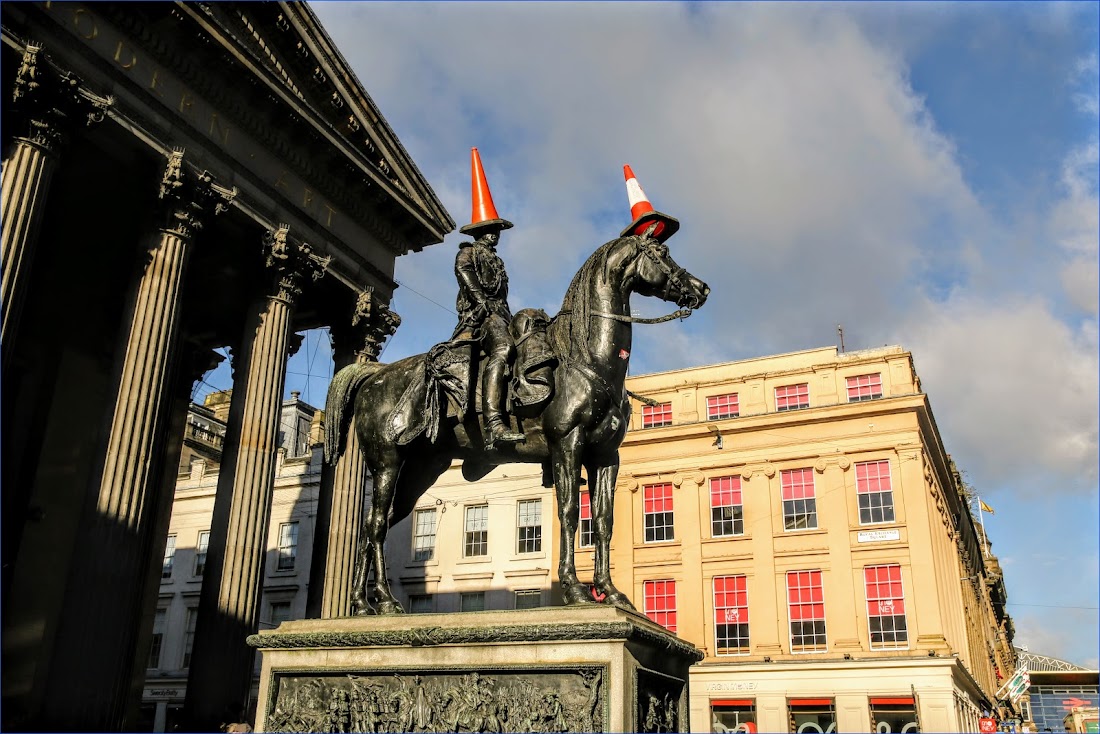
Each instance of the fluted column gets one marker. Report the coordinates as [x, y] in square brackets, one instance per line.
[221, 663]
[51, 104]
[104, 607]
[343, 497]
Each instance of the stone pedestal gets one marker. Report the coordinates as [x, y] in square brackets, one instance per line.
[555, 669]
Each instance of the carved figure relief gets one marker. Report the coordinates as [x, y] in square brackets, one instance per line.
[506, 701]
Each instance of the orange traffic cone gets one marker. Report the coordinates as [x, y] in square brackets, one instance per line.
[484, 216]
[643, 212]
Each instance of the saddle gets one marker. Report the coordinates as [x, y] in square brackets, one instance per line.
[445, 382]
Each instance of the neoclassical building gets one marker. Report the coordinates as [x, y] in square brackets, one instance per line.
[177, 178]
[796, 517]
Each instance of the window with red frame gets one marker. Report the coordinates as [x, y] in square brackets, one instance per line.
[655, 416]
[723, 406]
[864, 387]
[792, 397]
[731, 615]
[886, 607]
[874, 492]
[799, 500]
[660, 603]
[806, 607]
[658, 513]
[726, 513]
[586, 537]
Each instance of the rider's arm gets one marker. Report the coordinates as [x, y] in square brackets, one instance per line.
[467, 276]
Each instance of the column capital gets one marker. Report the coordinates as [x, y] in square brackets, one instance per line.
[53, 102]
[372, 322]
[292, 263]
[187, 197]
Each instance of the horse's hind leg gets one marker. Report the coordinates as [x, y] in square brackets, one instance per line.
[359, 603]
[567, 479]
[385, 481]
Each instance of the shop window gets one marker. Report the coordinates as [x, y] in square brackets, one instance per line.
[864, 387]
[658, 512]
[893, 714]
[655, 416]
[733, 715]
[875, 492]
[660, 603]
[726, 513]
[731, 615]
[723, 406]
[586, 536]
[799, 499]
[812, 715]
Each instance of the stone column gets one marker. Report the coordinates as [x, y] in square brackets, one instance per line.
[50, 104]
[344, 500]
[104, 604]
[221, 662]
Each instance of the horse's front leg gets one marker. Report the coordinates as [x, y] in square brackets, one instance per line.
[567, 480]
[603, 476]
[385, 482]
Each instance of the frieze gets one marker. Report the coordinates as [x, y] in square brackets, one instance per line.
[521, 700]
[425, 636]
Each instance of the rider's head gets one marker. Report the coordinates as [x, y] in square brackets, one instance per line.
[489, 236]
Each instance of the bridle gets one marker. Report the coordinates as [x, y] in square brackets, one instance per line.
[655, 251]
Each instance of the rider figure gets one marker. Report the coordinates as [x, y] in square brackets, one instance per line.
[482, 305]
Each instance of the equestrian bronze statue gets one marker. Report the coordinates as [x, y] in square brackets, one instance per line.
[414, 417]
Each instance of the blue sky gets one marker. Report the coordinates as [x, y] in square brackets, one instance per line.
[924, 174]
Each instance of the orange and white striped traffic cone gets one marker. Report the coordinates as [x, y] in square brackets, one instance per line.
[643, 212]
[484, 215]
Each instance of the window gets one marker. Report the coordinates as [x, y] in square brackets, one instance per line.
[655, 416]
[799, 503]
[895, 714]
[812, 715]
[472, 601]
[723, 406]
[159, 621]
[876, 496]
[806, 605]
[200, 553]
[726, 514]
[288, 546]
[421, 604]
[731, 615]
[660, 603]
[477, 531]
[864, 387]
[586, 537]
[278, 612]
[792, 397]
[528, 599]
[886, 607]
[529, 530]
[658, 513]
[424, 522]
[189, 635]
[169, 558]
[733, 715]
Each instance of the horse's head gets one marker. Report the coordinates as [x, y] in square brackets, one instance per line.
[655, 273]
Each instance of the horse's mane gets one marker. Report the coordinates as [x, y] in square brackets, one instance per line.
[568, 332]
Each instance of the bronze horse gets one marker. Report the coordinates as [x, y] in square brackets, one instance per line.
[583, 424]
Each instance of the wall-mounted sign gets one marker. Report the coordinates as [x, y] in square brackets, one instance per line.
[729, 685]
[875, 536]
[164, 693]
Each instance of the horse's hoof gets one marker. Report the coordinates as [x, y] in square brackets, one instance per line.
[619, 599]
[361, 608]
[390, 607]
[577, 594]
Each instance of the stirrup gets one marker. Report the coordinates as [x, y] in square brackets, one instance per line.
[499, 434]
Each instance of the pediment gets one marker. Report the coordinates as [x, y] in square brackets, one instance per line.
[286, 42]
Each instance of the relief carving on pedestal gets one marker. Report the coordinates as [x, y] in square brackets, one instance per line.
[507, 701]
[658, 703]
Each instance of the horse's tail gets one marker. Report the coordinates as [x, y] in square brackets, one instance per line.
[341, 392]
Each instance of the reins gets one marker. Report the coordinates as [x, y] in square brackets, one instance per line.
[681, 314]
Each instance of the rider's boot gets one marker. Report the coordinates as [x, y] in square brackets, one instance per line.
[496, 376]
